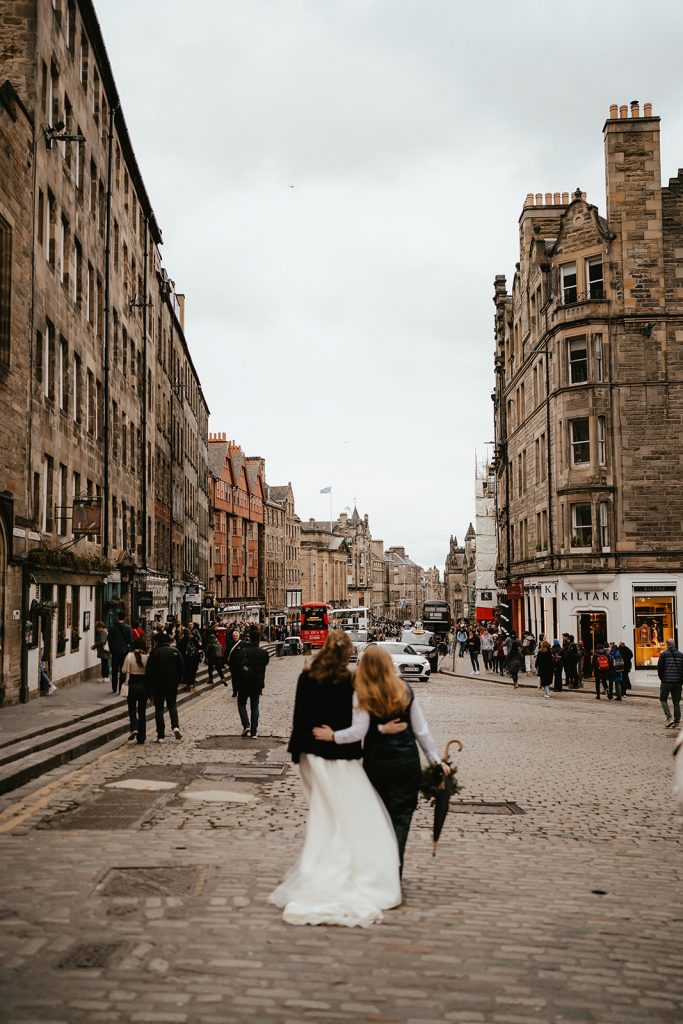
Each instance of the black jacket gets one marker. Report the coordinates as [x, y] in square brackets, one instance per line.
[545, 666]
[248, 669]
[328, 702]
[165, 665]
[120, 638]
[669, 666]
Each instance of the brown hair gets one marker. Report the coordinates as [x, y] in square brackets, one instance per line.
[139, 648]
[379, 689]
[544, 646]
[332, 660]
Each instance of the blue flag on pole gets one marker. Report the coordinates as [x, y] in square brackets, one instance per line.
[326, 490]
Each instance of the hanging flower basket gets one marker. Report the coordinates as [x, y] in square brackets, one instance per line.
[43, 608]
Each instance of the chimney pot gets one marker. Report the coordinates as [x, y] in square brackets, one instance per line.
[613, 111]
[623, 111]
[548, 199]
[647, 110]
[529, 201]
[583, 196]
[565, 198]
[556, 198]
[539, 199]
[635, 108]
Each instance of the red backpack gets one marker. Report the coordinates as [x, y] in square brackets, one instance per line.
[602, 662]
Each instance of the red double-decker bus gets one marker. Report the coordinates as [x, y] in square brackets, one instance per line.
[314, 623]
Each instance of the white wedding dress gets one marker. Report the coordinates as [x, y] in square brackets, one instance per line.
[347, 873]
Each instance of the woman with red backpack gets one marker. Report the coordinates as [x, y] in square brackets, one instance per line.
[601, 666]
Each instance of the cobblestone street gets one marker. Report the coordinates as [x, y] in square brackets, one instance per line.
[134, 884]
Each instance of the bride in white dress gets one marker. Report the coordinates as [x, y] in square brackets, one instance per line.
[348, 871]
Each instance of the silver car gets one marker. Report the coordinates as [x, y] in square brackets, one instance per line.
[407, 662]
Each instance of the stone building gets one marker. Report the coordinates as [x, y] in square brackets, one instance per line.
[589, 405]
[380, 597]
[292, 565]
[432, 585]
[238, 491]
[356, 532]
[324, 569]
[274, 575]
[404, 584]
[95, 362]
[486, 593]
[453, 579]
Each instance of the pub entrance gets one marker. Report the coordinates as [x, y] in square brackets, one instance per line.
[592, 633]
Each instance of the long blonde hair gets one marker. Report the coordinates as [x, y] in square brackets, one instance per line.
[332, 660]
[379, 689]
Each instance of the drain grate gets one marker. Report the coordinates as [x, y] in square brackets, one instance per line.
[115, 809]
[88, 956]
[485, 807]
[173, 880]
[241, 743]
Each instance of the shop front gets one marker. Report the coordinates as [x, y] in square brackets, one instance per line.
[641, 611]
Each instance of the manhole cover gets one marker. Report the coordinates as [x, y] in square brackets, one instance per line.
[485, 807]
[115, 809]
[241, 743]
[159, 881]
[88, 955]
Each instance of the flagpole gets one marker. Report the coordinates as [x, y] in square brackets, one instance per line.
[330, 509]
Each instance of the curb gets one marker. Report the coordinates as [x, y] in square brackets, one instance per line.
[525, 685]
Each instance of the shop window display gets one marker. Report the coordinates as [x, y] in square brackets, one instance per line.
[654, 619]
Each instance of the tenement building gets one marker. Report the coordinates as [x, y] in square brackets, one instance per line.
[103, 465]
[284, 494]
[589, 406]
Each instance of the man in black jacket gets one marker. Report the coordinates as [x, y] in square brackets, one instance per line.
[120, 642]
[164, 674]
[248, 667]
[670, 672]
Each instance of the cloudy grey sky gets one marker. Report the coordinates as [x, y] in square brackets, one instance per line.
[343, 328]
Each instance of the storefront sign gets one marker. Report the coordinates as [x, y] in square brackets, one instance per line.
[590, 595]
[145, 598]
[548, 589]
[192, 590]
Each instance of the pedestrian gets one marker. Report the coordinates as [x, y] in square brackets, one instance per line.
[214, 656]
[627, 655]
[47, 687]
[571, 660]
[579, 665]
[513, 658]
[528, 650]
[231, 657]
[133, 671]
[164, 673]
[189, 648]
[348, 871]
[474, 647]
[670, 672]
[501, 652]
[120, 642]
[558, 664]
[249, 664]
[601, 669]
[136, 629]
[388, 719]
[545, 666]
[486, 642]
[461, 637]
[616, 671]
[101, 645]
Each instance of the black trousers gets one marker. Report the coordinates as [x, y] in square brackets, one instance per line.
[165, 694]
[397, 781]
[557, 673]
[137, 706]
[117, 661]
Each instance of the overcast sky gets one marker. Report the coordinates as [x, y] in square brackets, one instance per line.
[343, 328]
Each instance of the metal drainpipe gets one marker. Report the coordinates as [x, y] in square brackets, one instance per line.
[107, 321]
[548, 450]
[170, 509]
[143, 461]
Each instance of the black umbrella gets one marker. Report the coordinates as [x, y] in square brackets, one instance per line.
[445, 786]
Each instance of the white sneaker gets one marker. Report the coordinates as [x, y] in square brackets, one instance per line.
[53, 689]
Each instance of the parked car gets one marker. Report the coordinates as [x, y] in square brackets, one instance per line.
[407, 662]
[292, 645]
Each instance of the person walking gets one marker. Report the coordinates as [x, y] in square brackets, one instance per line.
[474, 647]
[627, 655]
[545, 667]
[120, 642]
[47, 687]
[571, 660]
[616, 672]
[189, 648]
[528, 650]
[558, 664]
[101, 646]
[500, 653]
[388, 718]
[249, 666]
[601, 669]
[348, 871]
[164, 673]
[486, 643]
[232, 654]
[670, 672]
[133, 672]
[214, 656]
[513, 658]
[461, 637]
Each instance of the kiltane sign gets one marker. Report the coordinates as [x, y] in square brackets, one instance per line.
[590, 595]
